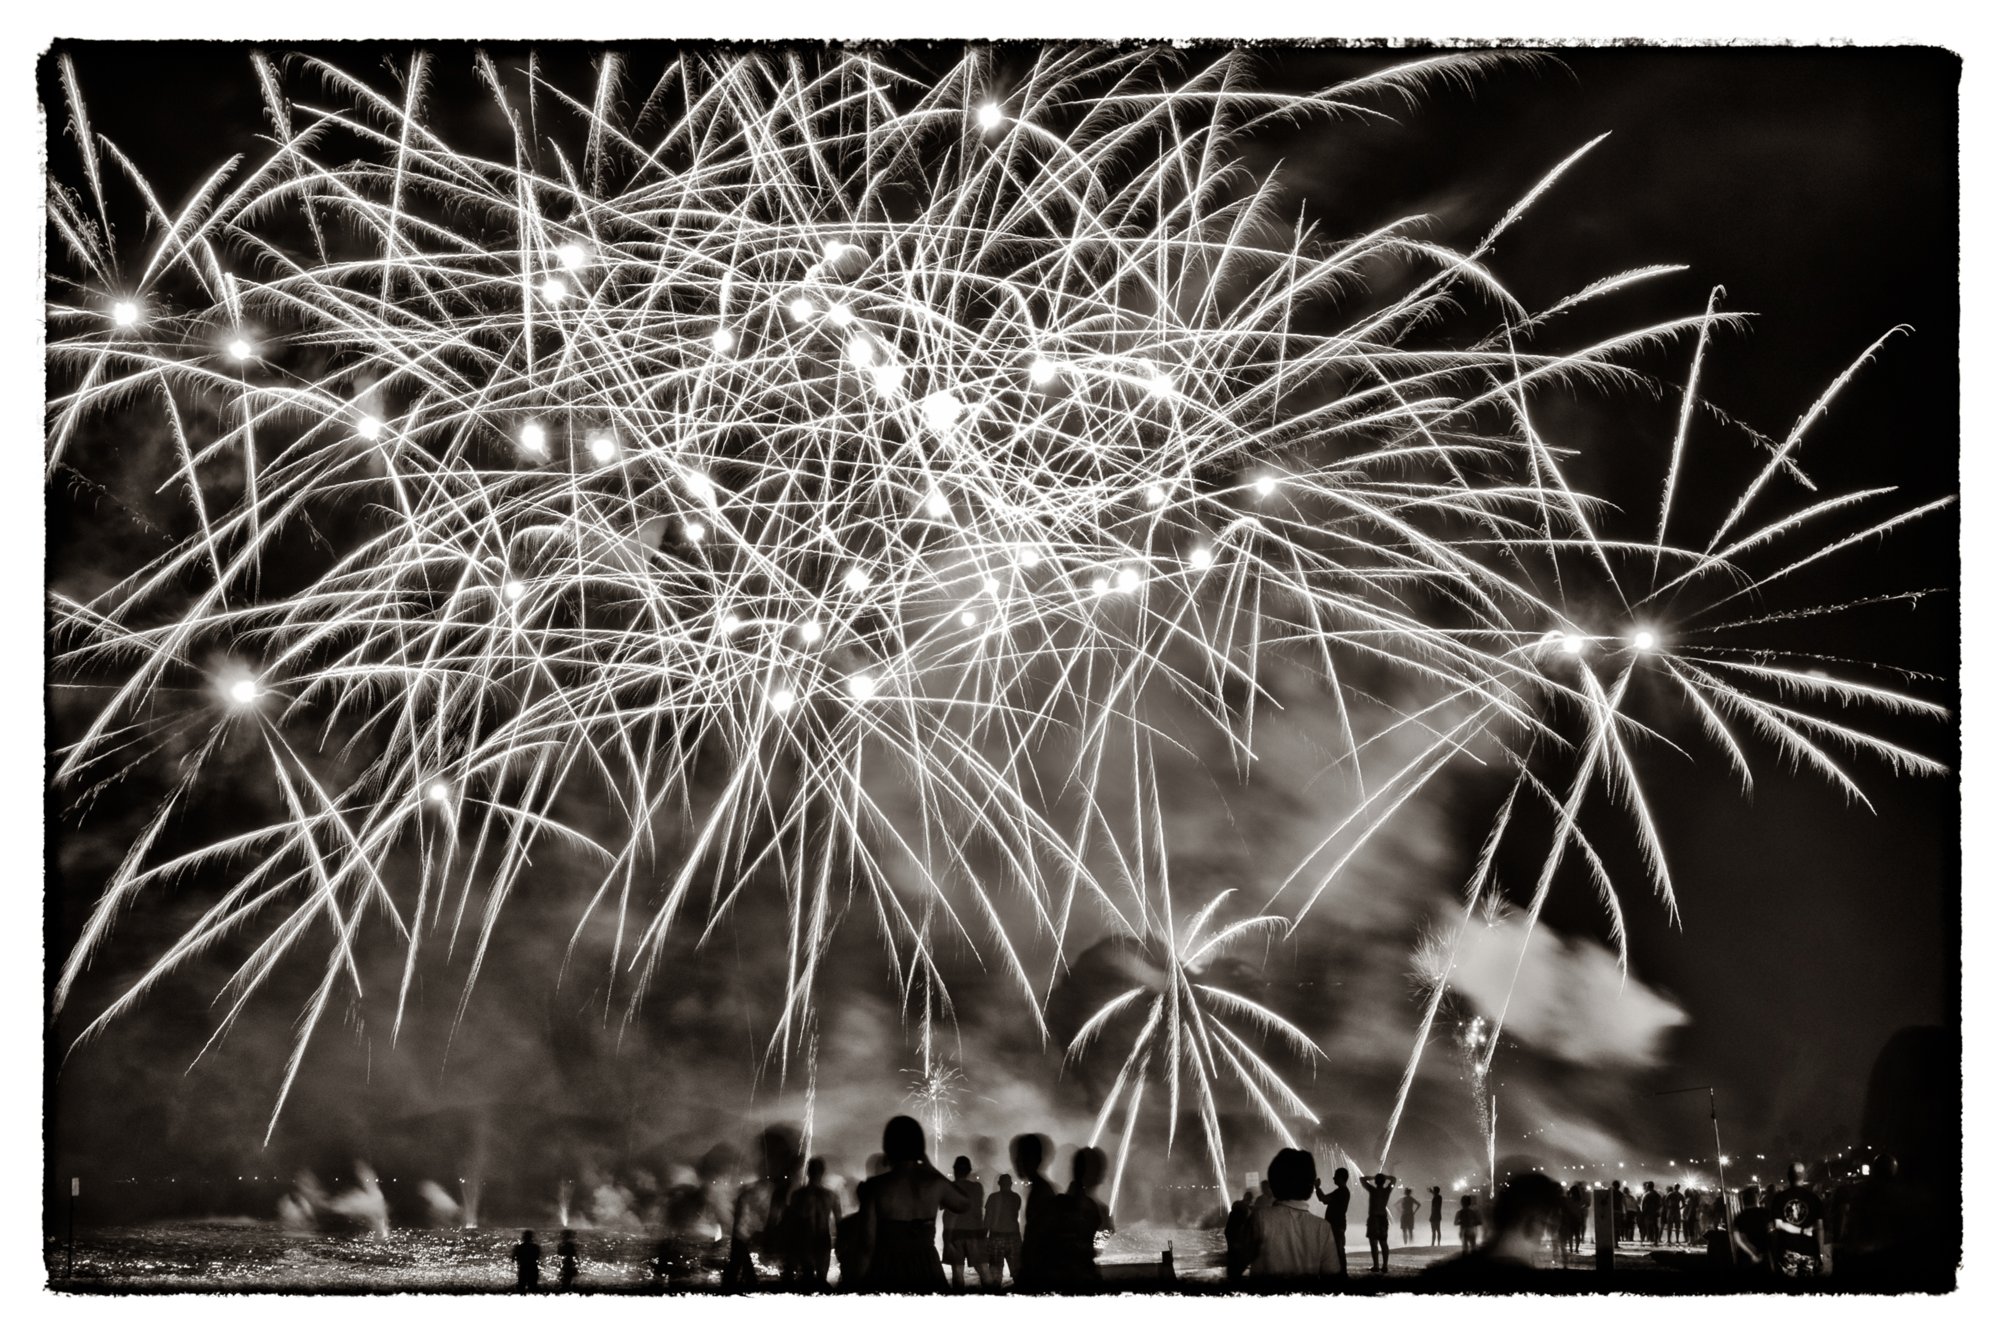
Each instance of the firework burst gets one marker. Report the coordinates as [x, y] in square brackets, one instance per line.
[812, 480]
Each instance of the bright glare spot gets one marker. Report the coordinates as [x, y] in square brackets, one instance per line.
[699, 485]
[440, 792]
[810, 631]
[1127, 579]
[861, 686]
[831, 250]
[1161, 385]
[992, 585]
[967, 618]
[534, 438]
[782, 699]
[243, 691]
[125, 314]
[942, 409]
[1041, 371]
[369, 428]
[1572, 644]
[723, 340]
[888, 379]
[860, 352]
[513, 590]
[841, 315]
[571, 255]
[802, 309]
[1027, 556]
[1099, 585]
[1265, 486]
[1644, 640]
[989, 115]
[936, 505]
[555, 290]
[240, 350]
[602, 448]
[1155, 495]
[857, 579]
[694, 531]
[732, 622]
[1201, 557]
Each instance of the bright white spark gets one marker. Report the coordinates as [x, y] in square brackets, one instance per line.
[535, 439]
[801, 309]
[244, 691]
[989, 115]
[602, 448]
[240, 350]
[571, 255]
[125, 314]
[942, 409]
[862, 686]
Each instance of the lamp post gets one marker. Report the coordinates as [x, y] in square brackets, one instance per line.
[1721, 1177]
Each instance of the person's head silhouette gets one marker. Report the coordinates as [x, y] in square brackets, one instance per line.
[1028, 1152]
[1340, 1176]
[1436, 1191]
[1087, 1169]
[527, 1238]
[961, 1167]
[1292, 1174]
[903, 1141]
[1005, 1181]
[815, 1169]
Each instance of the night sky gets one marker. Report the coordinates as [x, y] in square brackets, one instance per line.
[1818, 187]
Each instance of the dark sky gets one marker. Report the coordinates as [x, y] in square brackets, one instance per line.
[1819, 188]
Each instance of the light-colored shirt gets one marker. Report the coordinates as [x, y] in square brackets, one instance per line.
[1292, 1242]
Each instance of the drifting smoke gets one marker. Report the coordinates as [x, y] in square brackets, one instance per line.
[311, 1207]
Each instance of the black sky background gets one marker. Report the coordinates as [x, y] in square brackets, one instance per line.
[1819, 188]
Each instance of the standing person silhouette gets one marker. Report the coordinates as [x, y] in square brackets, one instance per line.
[1437, 1216]
[1037, 1206]
[1336, 1213]
[1378, 1189]
[1467, 1219]
[899, 1212]
[965, 1234]
[1406, 1209]
[527, 1264]
[1069, 1256]
[1003, 1230]
[1236, 1239]
[812, 1219]
[566, 1252]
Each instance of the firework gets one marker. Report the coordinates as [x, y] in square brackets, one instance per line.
[813, 481]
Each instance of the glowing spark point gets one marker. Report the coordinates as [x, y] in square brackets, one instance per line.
[862, 686]
[1644, 640]
[1161, 385]
[369, 428]
[534, 438]
[936, 505]
[1041, 371]
[243, 691]
[732, 623]
[941, 410]
[125, 314]
[802, 309]
[831, 250]
[1099, 585]
[240, 350]
[1201, 557]
[694, 531]
[440, 792]
[888, 379]
[1265, 486]
[700, 486]
[1127, 579]
[602, 448]
[840, 315]
[571, 256]
[857, 580]
[781, 699]
[723, 340]
[967, 618]
[1572, 644]
[992, 585]
[810, 631]
[555, 290]
[1156, 496]
[860, 352]
[513, 590]
[1027, 556]
[989, 115]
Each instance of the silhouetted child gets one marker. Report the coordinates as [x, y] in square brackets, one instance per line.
[1468, 1223]
[527, 1264]
[566, 1275]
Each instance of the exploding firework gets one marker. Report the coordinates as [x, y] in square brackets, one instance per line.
[816, 480]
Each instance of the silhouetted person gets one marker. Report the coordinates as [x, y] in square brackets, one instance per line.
[527, 1264]
[1576, 1215]
[899, 1215]
[1378, 1190]
[1467, 1219]
[1037, 1204]
[1336, 1213]
[1437, 1216]
[1525, 1214]
[1798, 1228]
[1070, 1255]
[1649, 1215]
[566, 1252]
[850, 1236]
[1406, 1210]
[1750, 1232]
[1628, 1211]
[812, 1219]
[1670, 1215]
[1237, 1242]
[965, 1234]
[1003, 1230]
[662, 1263]
[1288, 1240]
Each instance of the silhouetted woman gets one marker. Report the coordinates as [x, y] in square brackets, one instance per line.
[899, 1215]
